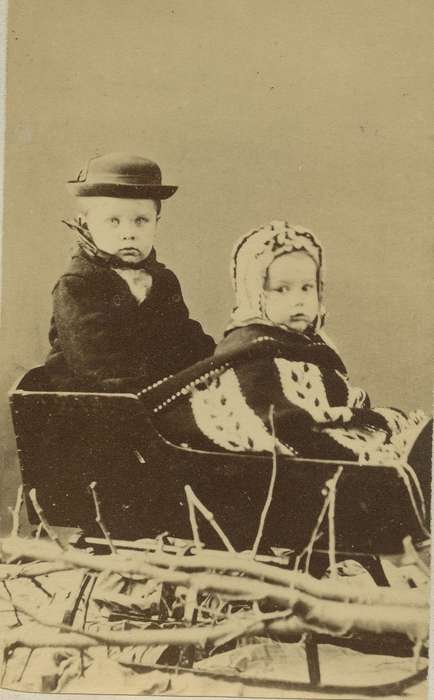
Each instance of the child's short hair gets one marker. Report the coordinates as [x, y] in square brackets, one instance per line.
[83, 205]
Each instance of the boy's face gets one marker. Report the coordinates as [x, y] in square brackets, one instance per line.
[123, 227]
[291, 291]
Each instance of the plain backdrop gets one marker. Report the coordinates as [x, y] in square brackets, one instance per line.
[315, 112]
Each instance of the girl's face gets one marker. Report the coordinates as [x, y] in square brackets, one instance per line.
[123, 227]
[291, 291]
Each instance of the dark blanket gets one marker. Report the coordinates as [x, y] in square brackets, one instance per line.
[225, 402]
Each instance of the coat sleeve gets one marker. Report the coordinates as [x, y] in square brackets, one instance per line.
[95, 343]
[191, 343]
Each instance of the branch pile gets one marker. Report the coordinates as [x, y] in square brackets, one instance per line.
[202, 602]
[140, 607]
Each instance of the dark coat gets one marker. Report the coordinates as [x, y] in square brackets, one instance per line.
[102, 338]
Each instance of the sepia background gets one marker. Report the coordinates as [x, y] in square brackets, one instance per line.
[316, 112]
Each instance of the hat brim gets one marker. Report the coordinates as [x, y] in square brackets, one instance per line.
[111, 189]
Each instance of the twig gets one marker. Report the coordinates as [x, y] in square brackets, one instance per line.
[70, 636]
[231, 636]
[38, 584]
[314, 536]
[412, 556]
[342, 619]
[16, 512]
[410, 471]
[307, 550]
[331, 484]
[196, 635]
[192, 516]
[160, 540]
[36, 617]
[417, 649]
[404, 476]
[208, 516]
[180, 637]
[322, 615]
[84, 620]
[175, 569]
[124, 566]
[11, 601]
[190, 609]
[269, 497]
[3, 662]
[313, 614]
[32, 570]
[99, 521]
[25, 665]
[52, 534]
[87, 600]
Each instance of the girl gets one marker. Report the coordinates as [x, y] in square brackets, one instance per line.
[276, 354]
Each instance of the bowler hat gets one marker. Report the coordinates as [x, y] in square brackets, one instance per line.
[120, 175]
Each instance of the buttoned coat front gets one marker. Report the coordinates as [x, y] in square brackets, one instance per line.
[102, 337]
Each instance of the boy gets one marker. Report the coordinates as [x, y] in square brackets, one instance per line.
[119, 320]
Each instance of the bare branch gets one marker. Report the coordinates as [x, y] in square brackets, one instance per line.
[307, 551]
[75, 637]
[403, 472]
[192, 516]
[31, 570]
[269, 497]
[11, 601]
[210, 517]
[330, 590]
[175, 569]
[314, 614]
[132, 565]
[412, 556]
[16, 511]
[331, 484]
[181, 637]
[99, 521]
[52, 534]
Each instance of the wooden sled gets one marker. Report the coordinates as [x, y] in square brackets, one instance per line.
[66, 440]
